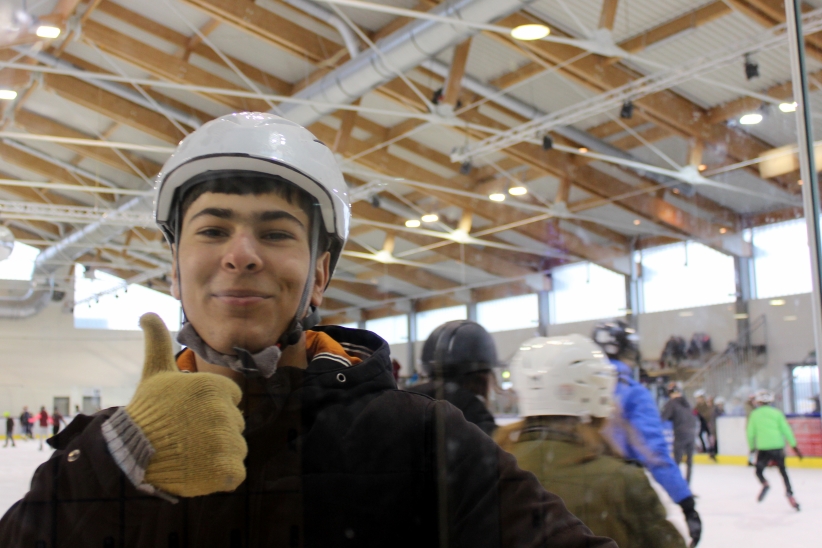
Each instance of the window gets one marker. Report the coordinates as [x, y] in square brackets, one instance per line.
[431, 319]
[20, 264]
[782, 261]
[394, 329]
[686, 275]
[510, 313]
[117, 308]
[585, 291]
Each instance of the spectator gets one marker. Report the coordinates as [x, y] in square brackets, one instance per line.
[705, 412]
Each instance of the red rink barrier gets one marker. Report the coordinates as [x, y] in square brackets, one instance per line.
[808, 432]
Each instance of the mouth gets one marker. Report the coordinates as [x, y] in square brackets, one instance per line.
[240, 297]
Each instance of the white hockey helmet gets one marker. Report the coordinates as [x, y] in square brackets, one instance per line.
[699, 393]
[567, 375]
[264, 144]
[764, 396]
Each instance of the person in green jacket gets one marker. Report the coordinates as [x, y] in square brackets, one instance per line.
[768, 431]
[565, 387]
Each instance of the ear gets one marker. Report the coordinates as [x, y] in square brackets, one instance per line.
[175, 282]
[321, 276]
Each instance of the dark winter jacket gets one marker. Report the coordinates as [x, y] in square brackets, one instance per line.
[638, 409]
[679, 412]
[337, 457]
[463, 399]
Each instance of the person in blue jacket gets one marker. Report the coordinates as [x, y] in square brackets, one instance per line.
[637, 429]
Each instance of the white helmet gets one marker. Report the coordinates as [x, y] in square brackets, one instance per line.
[262, 143]
[699, 393]
[764, 396]
[563, 376]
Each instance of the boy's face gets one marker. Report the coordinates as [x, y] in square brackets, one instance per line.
[243, 262]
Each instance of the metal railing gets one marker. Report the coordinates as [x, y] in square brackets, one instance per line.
[732, 372]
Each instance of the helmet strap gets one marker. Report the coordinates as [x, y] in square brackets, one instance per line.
[307, 315]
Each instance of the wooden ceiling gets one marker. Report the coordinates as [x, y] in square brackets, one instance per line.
[577, 208]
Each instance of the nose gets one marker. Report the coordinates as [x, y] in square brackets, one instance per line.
[241, 255]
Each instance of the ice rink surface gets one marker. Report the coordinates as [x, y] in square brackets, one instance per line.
[726, 499]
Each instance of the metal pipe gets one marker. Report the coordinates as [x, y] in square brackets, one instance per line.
[404, 49]
[348, 37]
[807, 164]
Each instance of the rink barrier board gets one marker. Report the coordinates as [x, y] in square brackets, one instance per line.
[739, 460]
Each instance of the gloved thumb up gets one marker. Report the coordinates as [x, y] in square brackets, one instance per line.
[191, 421]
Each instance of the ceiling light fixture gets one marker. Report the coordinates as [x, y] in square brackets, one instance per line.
[636, 222]
[412, 223]
[777, 302]
[787, 107]
[583, 150]
[750, 119]
[547, 142]
[8, 94]
[723, 230]
[466, 167]
[751, 67]
[530, 32]
[497, 197]
[702, 167]
[430, 218]
[518, 190]
[47, 31]
[627, 110]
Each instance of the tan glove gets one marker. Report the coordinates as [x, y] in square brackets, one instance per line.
[190, 420]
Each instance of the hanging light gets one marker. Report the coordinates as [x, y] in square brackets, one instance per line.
[750, 119]
[751, 67]
[497, 197]
[430, 218]
[48, 31]
[787, 107]
[8, 94]
[530, 32]
[412, 223]
[583, 150]
[636, 222]
[518, 190]
[627, 111]
[466, 167]
[547, 142]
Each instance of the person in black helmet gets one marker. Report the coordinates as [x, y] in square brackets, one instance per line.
[457, 358]
[636, 428]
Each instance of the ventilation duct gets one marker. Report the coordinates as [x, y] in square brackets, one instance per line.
[401, 51]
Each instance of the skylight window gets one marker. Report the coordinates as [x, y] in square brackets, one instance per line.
[104, 302]
[20, 264]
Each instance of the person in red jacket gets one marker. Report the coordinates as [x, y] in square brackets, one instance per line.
[42, 420]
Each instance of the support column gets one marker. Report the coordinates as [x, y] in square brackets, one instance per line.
[471, 308]
[544, 303]
[632, 301]
[807, 162]
[744, 294]
[411, 354]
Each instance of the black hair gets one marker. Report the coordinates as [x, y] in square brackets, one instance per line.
[246, 183]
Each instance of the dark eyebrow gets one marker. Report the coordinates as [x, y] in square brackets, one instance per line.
[221, 213]
[278, 215]
[225, 213]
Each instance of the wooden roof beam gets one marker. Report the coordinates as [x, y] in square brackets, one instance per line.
[165, 66]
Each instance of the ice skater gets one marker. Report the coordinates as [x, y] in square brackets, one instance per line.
[9, 429]
[42, 419]
[679, 413]
[768, 430]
